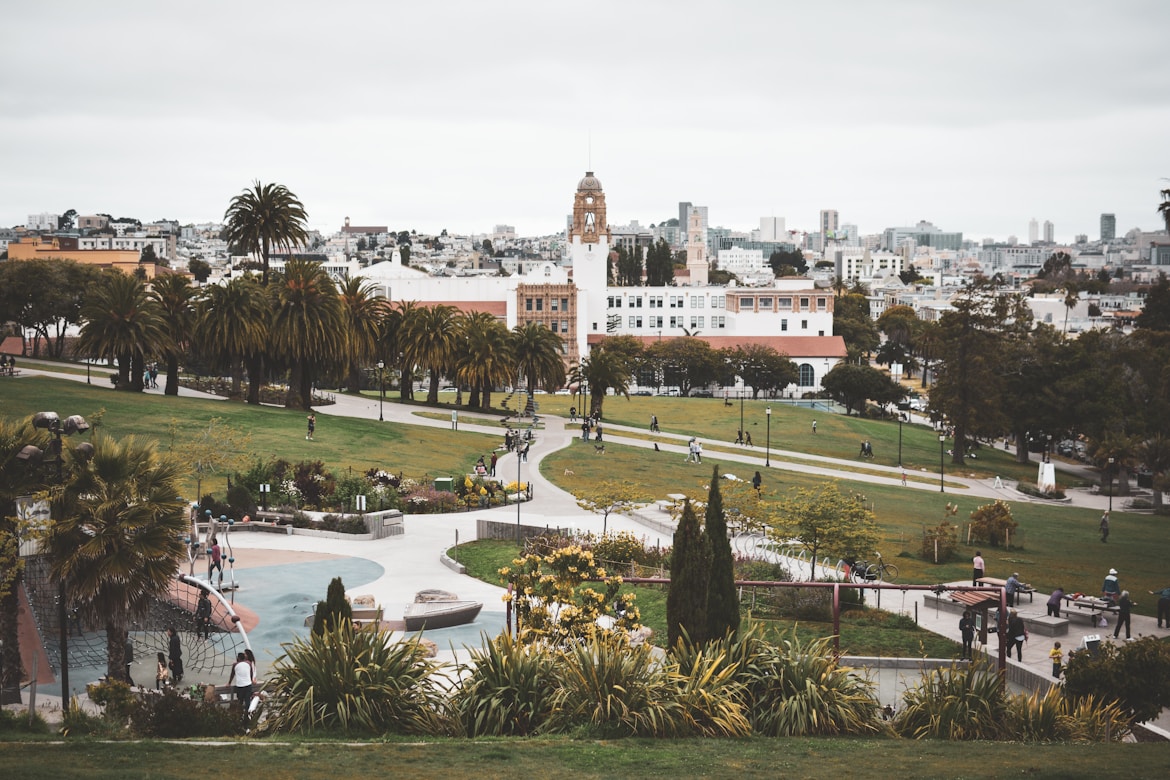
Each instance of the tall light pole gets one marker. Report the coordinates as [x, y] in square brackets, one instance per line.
[901, 417]
[942, 440]
[381, 387]
[768, 440]
[518, 488]
[1111, 486]
[33, 455]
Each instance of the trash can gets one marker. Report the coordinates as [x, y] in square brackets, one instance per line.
[445, 485]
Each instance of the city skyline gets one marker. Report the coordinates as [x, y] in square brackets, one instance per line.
[462, 117]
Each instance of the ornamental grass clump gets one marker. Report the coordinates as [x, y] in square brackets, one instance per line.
[356, 681]
[957, 703]
[506, 688]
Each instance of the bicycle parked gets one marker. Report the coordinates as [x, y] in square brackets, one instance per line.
[879, 571]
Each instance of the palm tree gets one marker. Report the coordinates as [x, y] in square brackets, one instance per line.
[396, 324]
[428, 340]
[1154, 453]
[307, 326]
[484, 357]
[264, 218]
[174, 296]
[363, 312]
[604, 370]
[232, 326]
[118, 544]
[120, 321]
[16, 480]
[539, 357]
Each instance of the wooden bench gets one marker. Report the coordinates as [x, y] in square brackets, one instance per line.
[995, 582]
[1090, 607]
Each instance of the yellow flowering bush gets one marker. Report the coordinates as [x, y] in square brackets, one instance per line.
[551, 606]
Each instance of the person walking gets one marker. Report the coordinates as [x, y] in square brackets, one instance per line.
[312, 420]
[1017, 634]
[1124, 607]
[214, 560]
[1163, 605]
[495, 458]
[572, 414]
[690, 450]
[1104, 527]
[698, 451]
[814, 427]
[162, 674]
[757, 483]
[1054, 602]
[967, 631]
[175, 653]
[241, 682]
[654, 423]
[585, 429]
[976, 568]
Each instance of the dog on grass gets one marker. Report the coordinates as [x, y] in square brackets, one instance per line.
[599, 449]
[570, 473]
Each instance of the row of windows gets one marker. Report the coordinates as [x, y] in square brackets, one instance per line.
[768, 303]
[676, 321]
[554, 304]
[666, 301]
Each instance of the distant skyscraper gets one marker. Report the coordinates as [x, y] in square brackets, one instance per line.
[1049, 232]
[772, 229]
[684, 216]
[1108, 227]
[828, 222]
[1033, 231]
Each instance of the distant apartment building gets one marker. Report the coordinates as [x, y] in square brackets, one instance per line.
[1033, 231]
[93, 222]
[922, 234]
[65, 248]
[1108, 227]
[43, 222]
[828, 226]
[740, 261]
[1049, 232]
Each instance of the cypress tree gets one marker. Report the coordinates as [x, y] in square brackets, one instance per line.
[722, 599]
[690, 562]
[331, 611]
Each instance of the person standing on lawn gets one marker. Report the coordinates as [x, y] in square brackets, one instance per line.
[976, 568]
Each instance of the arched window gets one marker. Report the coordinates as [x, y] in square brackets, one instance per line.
[807, 375]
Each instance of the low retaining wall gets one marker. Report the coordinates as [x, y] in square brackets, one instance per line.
[495, 529]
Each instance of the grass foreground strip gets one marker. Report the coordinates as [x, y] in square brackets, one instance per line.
[410, 759]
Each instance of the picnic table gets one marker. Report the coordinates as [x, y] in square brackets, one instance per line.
[1090, 606]
[995, 582]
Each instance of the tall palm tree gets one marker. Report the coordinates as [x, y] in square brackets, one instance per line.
[16, 480]
[604, 370]
[539, 357]
[395, 326]
[363, 313]
[483, 357]
[428, 340]
[174, 296]
[118, 543]
[307, 326]
[120, 321]
[264, 218]
[232, 325]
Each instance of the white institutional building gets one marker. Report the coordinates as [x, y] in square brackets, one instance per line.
[576, 302]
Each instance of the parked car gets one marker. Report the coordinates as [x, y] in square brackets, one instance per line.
[702, 393]
[641, 392]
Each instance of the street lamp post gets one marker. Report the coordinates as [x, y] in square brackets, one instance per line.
[901, 418]
[768, 440]
[1111, 486]
[50, 422]
[381, 387]
[942, 439]
[742, 388]
[518, 489]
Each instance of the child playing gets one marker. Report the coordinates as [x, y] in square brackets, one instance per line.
[1056, 654]
[163, 675]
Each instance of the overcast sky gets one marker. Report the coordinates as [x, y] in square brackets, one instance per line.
[466, 114]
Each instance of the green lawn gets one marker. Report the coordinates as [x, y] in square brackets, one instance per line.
[1055, 544]
[341, 443]
[408, 759]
